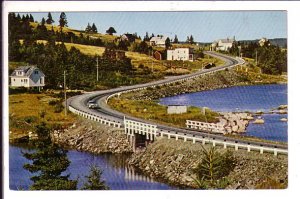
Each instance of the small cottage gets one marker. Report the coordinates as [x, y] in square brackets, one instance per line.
[27, 76]
[176, 109]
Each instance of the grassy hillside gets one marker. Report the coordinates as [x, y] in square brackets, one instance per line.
[28, 110]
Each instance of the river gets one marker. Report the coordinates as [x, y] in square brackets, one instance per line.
[116, 173]
[243, 98]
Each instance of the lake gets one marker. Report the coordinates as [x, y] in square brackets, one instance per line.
[243, 98]
[116, 173]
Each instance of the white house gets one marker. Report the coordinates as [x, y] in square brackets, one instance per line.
[159, 41]
[222, 44]
[184, 54]
[27, 76]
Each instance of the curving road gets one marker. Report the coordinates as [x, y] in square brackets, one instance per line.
[80, 103]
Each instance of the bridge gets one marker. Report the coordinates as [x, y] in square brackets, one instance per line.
[139, 128]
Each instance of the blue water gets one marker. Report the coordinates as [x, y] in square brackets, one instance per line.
[116, 174]
[243, 98]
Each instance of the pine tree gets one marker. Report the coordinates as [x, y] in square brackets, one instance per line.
[111, 31]
[94, 181]
[175, 40]
[48, 161]
[146, 38]
[49, 19]
[88, 28]
[31, 19]
[63, 20]
[188, 39]
[191, 39]
[43, 21]
[168, 43]
[94, 28]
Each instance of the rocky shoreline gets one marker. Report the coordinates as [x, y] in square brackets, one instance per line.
[89, 136]
[217, 80]
[172, 162]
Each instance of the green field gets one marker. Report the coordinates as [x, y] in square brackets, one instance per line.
[150, 110]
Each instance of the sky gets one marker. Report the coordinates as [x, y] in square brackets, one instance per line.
[204, 26]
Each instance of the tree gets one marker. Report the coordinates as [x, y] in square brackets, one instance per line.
[31, 19]
[188, 39]
[94, 28]
[146, 38]
[167, 43]
[191, 41]
[111, 31]
[49, 19]
[63, 20]
[88, 28]
[175, 40]
[94, 181]
[48, 161]
[43, 21]
[213, 168]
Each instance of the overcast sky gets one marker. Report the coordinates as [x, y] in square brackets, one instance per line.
[204, 26]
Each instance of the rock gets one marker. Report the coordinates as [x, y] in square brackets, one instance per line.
[259, 121]
[235, 128]
[249, 117]
[282, 107]
[151, 162]
[283, 119]
[282, 112]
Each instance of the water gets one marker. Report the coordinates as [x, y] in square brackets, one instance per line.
[243, 98]
[116, 174]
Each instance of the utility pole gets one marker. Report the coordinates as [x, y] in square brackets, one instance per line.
[152, 61]
[97, 70]
[65, 92]
[256, 57]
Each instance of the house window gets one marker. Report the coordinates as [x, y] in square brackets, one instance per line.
[14, 80]
[36, 72]
[41, 81]
[21, 80]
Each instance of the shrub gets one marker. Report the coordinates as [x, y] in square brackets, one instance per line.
[30, 119]
[58, 108]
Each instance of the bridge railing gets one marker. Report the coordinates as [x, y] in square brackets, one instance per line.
[95, 118]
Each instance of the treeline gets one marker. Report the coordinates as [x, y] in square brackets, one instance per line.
[53, 59]
[270, 58]
[20, 28]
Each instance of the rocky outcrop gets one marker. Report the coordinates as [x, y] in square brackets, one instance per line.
[172, 162]
[92, 137]
[235, 122]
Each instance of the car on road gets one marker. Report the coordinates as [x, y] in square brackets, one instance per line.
[92, 105]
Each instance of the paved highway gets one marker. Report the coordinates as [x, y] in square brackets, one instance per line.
[80, 103]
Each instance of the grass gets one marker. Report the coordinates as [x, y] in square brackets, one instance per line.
[150, 110]
[104, 37]
[27, 110]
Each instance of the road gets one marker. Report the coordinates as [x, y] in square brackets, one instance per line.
[80, 103]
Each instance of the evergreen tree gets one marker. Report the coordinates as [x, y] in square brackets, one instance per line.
[43, 21]
[146, 38]
[88, 28]
[175, 40]
[191, 40]
[94, 28]
[188, 39]
[49, 19]
[168, 43]
[111, 31]
[48, 161]
[63, 20]
[94, 181]
[31, 19]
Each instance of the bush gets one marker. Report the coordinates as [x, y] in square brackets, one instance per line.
[58, 108]
[30, 119]
[52, 102]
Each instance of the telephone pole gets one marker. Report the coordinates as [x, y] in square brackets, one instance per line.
[97, 70]
[256, 57]
[65, 92]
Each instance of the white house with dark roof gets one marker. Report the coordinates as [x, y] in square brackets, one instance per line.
[159, 41]
[27, 76]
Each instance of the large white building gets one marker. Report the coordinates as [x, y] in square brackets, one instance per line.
[184, 54]
[159, 41]
[222, 44]
[27, 76]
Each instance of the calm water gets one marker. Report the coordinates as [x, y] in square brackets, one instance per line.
[243, 98]
[116, 174]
